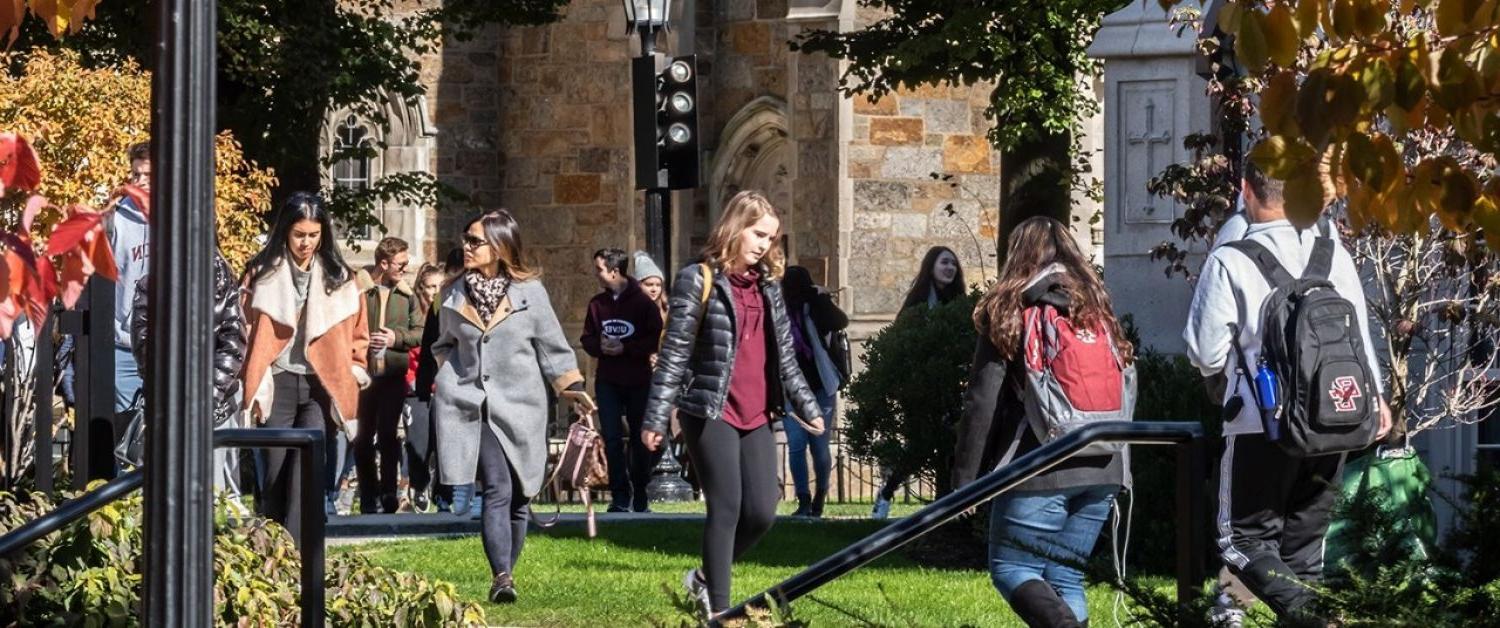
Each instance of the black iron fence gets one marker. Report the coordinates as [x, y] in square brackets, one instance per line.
[307, 443]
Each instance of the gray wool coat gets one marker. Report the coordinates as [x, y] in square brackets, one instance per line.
[495, 375]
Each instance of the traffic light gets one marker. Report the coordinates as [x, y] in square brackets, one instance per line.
[665, 95]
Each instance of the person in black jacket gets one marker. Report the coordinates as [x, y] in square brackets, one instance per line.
[814, 318]
[229, 356]
[442, 494]
[1043, 528]
[729, 368]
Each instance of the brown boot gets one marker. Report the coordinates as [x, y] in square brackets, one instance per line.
[503, 589]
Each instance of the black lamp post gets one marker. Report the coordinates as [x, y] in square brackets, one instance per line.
[664, 94]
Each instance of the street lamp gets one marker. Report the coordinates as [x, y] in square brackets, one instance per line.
[648, 18]
[664, 97]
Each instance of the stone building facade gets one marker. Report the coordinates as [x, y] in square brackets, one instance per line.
[538, 120]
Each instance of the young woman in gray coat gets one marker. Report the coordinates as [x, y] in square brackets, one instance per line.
[499, 350]
[729, 368]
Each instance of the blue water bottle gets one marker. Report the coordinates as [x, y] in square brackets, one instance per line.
[1268, 398]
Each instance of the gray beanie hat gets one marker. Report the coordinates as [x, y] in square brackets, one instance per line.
[644, 267]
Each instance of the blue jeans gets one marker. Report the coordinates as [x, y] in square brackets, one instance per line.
[127, 378]
[1047, 535]
[799, 442]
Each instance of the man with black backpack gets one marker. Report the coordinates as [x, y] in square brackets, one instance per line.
[1281, 313]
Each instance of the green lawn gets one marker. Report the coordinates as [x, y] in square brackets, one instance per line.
[616, 579]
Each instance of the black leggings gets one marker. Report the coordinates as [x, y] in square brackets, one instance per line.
[505, 505]
[737, 470]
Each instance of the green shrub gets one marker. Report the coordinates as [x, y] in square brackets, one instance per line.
[89, 574]
[904, 404]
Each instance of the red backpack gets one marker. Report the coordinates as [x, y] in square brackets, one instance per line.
[1074, 377]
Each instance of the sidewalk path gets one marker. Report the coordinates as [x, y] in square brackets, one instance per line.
[360, 528]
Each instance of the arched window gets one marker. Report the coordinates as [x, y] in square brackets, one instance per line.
[352, 170]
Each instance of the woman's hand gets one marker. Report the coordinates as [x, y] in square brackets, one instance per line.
[582, 403]
[652, 440]
[814, 427]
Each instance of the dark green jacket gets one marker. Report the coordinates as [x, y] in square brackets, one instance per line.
[402, 317]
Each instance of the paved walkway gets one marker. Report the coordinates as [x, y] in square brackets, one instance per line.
[359, 528]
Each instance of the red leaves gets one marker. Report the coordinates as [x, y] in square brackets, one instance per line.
[18, 166]
[84, 250]
[28, 281]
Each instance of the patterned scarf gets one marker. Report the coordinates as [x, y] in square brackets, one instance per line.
[487, 293]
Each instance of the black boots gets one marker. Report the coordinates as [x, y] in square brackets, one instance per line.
[1040, 607]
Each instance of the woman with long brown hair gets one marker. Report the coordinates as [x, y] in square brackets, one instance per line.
[499, 348]
[939, 279]
[729, 367]
[1043, 528]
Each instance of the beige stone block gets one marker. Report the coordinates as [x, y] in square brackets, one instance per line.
[933, 139]
[911, 162]
[597, 215]
[770, 9]
[575, 189]
[895, 131]
[967, 154]
[941, 90]
[749, 38]
[884, 106]
[909, 225]
[881, 196]
[948, 116]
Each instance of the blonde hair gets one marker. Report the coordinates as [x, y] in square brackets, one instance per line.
[742, 212]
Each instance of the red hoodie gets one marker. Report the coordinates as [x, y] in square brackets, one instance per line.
[748, 405]
[634, 319]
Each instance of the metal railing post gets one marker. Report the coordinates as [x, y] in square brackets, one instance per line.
[313, 521]
[1192, 518]
[44, 359]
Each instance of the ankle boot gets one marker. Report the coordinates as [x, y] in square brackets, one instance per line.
[804, 505]
[816, 511]
[1040, 607]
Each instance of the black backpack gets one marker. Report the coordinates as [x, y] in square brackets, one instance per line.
[1311, 342]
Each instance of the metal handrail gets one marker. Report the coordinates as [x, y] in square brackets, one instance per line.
[1188, 437]
[308, 443]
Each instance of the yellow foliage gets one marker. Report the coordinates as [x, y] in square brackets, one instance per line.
[81, 122]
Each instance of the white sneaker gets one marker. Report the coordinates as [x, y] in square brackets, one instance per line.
[697, 591]
[882, 509]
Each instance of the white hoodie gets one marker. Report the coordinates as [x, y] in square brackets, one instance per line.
[1231, 290]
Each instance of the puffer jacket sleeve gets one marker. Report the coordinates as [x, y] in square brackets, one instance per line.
[684, 316]
[139, 319]
[230, 342]
[792, 379]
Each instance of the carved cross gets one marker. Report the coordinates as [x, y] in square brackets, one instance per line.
[1148, 138]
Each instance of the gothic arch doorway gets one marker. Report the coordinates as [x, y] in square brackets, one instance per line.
[755, 153]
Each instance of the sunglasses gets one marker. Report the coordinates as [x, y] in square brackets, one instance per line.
[473, 244]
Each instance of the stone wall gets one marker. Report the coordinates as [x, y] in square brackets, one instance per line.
[564, 146]
[900, 210]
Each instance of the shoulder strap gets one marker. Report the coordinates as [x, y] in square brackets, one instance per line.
[1264, 259]
[1321, 263]
[708, 282]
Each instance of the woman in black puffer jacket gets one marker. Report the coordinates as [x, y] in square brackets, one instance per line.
[728, 365]
[229, 357]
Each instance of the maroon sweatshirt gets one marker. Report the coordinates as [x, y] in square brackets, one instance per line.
[748, 405]
[634, 319]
